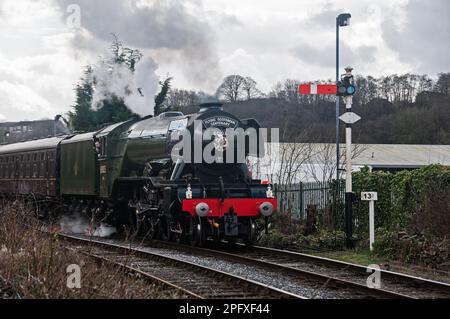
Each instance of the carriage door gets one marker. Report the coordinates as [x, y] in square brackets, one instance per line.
[100, 148]
[47, 172]
[16, 180]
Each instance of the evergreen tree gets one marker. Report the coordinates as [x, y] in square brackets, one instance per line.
[83, 117]
[88, 117]
[161, 98]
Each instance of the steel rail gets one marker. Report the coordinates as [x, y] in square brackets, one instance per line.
[410, 286]
[195, 280]
[272, 265]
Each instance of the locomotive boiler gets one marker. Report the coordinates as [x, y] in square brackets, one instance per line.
[151, 175]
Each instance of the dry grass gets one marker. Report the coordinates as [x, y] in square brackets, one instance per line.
[34, 265]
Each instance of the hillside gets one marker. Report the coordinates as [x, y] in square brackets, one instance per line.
[426, 121]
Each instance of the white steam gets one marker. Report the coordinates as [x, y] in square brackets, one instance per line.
[174, 30]
[137, 89]
[78, 224]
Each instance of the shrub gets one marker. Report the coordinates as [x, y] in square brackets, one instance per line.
[415, 201]
[412, 214]
[34, 264]
[420, 249]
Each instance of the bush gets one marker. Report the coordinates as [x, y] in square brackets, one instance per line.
[324, 240]
[419, 249]
[34, 264]
[416, 201]
[412, 213]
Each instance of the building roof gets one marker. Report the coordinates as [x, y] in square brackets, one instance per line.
[402, 156]
[305, 162]
[382, 155]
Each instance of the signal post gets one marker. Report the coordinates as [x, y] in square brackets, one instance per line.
[346, 89]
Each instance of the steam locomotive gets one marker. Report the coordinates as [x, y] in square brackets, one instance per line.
[127, 175]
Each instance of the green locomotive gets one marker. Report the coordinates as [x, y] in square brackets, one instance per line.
[126, 175]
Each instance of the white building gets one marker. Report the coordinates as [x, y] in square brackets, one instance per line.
[292, 163]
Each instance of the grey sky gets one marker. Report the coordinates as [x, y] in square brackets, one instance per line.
[199, 42]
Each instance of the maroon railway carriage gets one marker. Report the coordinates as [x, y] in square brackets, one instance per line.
[30, 167]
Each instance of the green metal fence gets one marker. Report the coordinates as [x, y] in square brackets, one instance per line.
[328, 197]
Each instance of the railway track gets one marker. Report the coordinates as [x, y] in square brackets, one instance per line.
[191, 279]
[182, 269]
[339, 280]
[331, 272]
[397, 284]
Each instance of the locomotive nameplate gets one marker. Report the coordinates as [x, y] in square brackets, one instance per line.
[221, 122]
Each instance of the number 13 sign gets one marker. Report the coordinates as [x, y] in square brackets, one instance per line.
[368, 196]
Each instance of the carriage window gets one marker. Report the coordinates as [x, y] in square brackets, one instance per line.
[27, 170]
[34, 157]
[42, 156]
[42, 170]
[35, 170]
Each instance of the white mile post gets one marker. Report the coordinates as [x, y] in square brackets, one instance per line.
[371, 223]
[371, 197]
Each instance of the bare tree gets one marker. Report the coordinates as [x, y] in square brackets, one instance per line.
[443, 83]
[287, 90]
[177, 98]
[123, 55]
[283, 165]
[425, 84]
[321, 165]
[232, 88]
[250, 89]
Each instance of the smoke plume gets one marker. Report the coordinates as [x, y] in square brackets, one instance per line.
[136, 89]
[176, 30]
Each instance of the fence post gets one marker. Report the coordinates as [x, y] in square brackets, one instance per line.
[301, 200]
